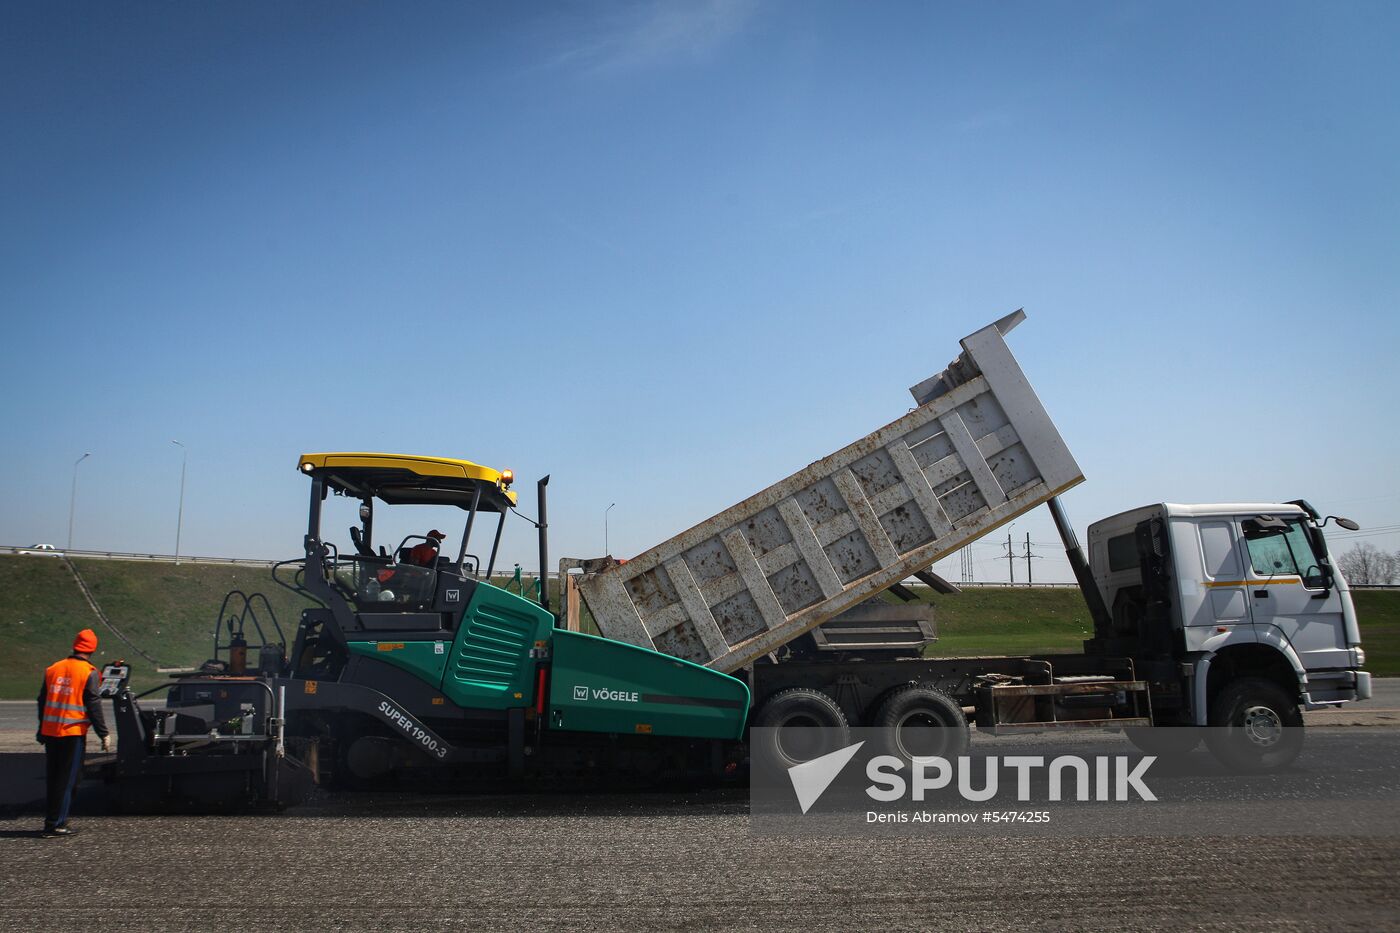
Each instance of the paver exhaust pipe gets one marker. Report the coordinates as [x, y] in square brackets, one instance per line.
[544, 544]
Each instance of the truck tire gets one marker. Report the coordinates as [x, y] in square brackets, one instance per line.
[921, 722]
[799, 724]
[1164, 741]
[1255, 726]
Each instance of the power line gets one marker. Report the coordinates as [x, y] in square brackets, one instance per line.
[1030, 577]
[966, 565]
[1365, 534]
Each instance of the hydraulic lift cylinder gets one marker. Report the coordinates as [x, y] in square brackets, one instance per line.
[1080, 565]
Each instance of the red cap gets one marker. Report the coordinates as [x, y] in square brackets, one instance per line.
[86, 642]
[437, 534]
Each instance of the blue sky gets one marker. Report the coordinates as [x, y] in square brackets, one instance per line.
[671, 253]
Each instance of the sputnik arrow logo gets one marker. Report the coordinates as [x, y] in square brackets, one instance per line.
[811, 778]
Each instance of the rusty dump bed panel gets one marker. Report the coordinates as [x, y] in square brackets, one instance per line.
[977, 451]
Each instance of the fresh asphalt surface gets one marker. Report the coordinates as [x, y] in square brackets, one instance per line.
[690, 860]
[18, 715]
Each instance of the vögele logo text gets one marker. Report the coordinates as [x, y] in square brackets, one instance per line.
[604, 693]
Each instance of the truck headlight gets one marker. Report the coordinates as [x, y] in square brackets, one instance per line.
[1360, 656]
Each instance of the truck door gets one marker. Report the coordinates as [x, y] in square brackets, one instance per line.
[1289, 591]
[1226, 593]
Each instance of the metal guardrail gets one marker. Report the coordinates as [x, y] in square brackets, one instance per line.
[528, 576]
[129, 555]
[250, 562]
[1002, 585]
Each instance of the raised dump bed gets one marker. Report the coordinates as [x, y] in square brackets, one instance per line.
[977, 451]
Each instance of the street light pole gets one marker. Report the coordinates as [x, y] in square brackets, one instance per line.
[180, 515]
[73, 497]
[606, 551]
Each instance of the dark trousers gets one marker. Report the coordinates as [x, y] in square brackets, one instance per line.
[63, 759]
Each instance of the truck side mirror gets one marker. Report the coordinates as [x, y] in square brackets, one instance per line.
[1322, 565]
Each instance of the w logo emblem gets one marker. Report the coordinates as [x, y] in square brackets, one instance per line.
[580, 693]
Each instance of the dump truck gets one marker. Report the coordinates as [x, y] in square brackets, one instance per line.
[1231, 616]
[766, 615]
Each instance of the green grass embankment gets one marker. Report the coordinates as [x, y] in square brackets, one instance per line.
[1378, 613]
[40, 611]
[1004, 620]
[169, 611]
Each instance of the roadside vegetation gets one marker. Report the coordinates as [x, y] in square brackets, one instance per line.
[1009, 620]
[1006, 620]
[168, 611]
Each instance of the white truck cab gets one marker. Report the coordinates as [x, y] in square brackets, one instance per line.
[1207, 596]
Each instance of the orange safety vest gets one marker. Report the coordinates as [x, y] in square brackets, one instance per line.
[64, 712]
[424, 555]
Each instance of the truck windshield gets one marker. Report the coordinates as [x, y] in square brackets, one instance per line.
[1288, 552]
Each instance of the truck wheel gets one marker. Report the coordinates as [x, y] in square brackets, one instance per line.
[1255, 726]
[1164, 741]
[799, 724]
[921, 722]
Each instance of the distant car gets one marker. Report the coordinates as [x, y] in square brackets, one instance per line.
[42, 550]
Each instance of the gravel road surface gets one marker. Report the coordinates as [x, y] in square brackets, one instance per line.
[650, 861]
[663, 863]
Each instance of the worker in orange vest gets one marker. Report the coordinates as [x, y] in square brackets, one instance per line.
[426, 553]
[68, 705]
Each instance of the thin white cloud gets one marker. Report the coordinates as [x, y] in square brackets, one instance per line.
[634, 35]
